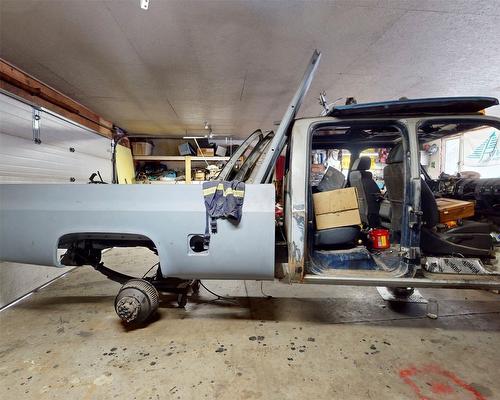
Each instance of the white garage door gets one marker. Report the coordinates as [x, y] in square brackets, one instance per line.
[37, 146]
[51, 150]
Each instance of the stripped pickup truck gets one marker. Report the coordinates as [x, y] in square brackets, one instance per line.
[37, 220]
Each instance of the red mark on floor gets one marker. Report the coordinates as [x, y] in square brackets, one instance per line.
[431, 382]
[441, 388]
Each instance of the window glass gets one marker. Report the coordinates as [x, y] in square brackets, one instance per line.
[451, 156]
[481, 152]
[468, 148]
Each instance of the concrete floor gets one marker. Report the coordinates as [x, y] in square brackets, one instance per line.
[307, 342]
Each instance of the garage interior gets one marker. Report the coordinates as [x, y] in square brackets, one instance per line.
[155, 97]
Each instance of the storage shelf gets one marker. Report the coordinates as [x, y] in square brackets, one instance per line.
[179, 158]
[187, 160]
[173, 182]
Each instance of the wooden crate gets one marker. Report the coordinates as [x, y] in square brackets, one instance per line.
[452, 210]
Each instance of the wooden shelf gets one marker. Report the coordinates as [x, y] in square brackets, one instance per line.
[187, 160]
[173, 182]
[179, 158]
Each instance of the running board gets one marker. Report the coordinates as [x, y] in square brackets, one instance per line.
[455, 265]
[404, 282]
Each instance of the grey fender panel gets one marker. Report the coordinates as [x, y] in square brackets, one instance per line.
[34, 217]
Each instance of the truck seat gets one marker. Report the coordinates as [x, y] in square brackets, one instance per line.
[385, 214]
[369, 195]
[395, 185]
[471, 239]
[333, 237]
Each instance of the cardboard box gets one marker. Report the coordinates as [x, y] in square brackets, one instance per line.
[338, 219]
[142, 148]
[336, 208]
[205, 152]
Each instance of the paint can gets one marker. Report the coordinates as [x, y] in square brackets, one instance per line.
[379, 239]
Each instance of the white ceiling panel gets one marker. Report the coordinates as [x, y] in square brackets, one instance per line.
[237, 63]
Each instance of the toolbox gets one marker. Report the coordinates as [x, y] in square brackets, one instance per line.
[452, 209]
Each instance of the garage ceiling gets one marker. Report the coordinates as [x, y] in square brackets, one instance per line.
[237, 63]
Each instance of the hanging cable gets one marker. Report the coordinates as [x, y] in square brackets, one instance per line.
[219, 297]
[267, 296]
[147, 272]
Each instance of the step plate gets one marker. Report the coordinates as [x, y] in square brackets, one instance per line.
[455, 265]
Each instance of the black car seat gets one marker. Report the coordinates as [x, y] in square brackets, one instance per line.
[471, 239]
[369, 195]
[332, 179]
[333, 237]
[394, 184]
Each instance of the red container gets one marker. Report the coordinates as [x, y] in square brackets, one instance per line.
[379, 239]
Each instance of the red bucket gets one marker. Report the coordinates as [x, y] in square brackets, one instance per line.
[379, 239]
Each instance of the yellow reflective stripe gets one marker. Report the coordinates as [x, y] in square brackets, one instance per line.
[227, 192]
[209, 190]
[236, 193]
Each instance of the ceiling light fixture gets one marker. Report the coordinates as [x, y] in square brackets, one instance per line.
[144, 4]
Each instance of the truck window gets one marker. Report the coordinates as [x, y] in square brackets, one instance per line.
[466, 148]
[341, 160]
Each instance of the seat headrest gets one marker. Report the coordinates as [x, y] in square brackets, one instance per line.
[396, 155]
[361, 164]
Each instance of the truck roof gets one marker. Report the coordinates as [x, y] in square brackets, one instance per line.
[412, 107]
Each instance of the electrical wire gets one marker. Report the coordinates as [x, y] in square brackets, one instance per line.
[234, 299]
[267, 296]
[147, 272]
[219, 297]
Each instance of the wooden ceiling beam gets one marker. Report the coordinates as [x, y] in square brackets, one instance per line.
[18, 82]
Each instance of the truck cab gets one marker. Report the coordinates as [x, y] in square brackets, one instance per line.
[424, 250]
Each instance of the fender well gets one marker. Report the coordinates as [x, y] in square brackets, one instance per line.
[86, 247]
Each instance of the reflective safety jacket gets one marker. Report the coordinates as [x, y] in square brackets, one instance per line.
[223, 199]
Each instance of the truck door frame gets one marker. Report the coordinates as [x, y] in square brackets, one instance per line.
[298, 221]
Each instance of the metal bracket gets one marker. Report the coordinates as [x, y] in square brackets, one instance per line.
[415, 218]
[410, 253]
[36, 126]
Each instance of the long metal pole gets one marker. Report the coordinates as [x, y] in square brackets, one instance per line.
[279, 139]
